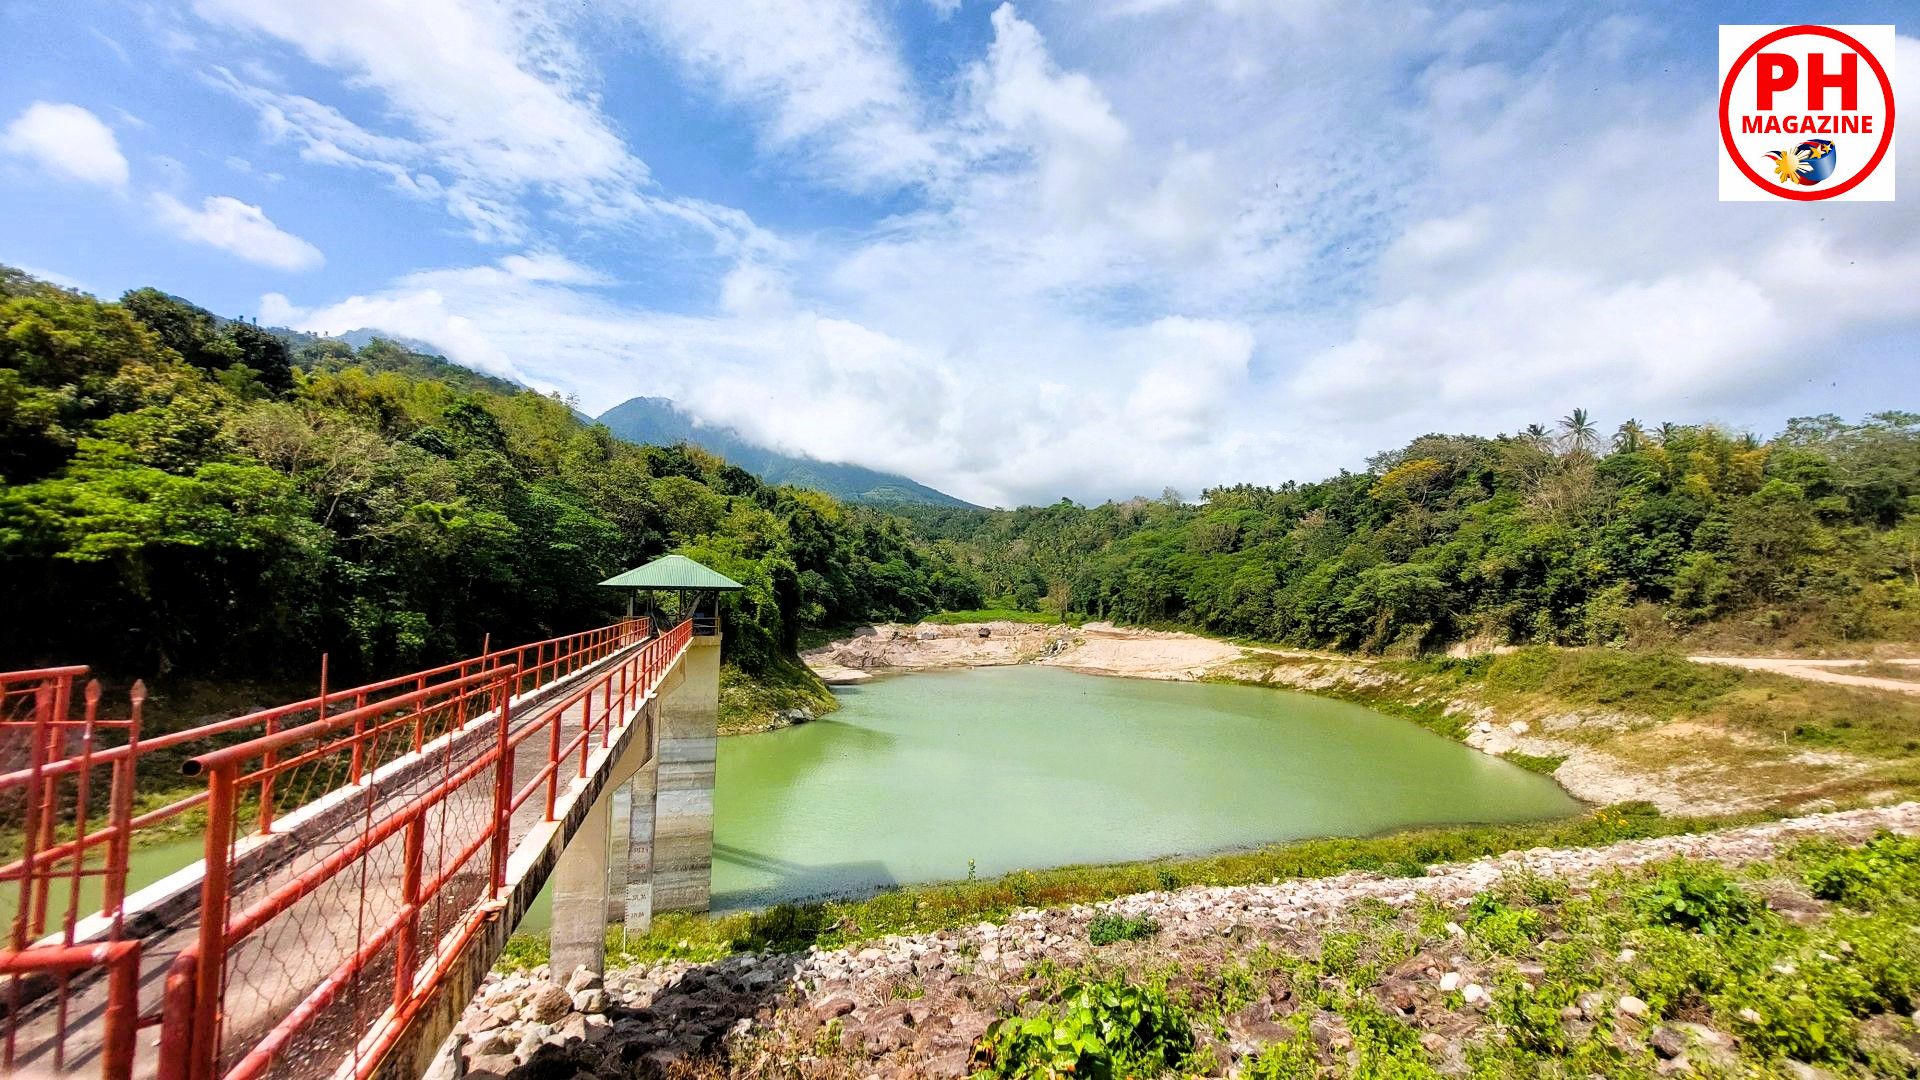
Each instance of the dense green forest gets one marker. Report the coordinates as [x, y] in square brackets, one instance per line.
[1556, 535]
[191, 496]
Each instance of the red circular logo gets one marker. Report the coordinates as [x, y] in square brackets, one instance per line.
[1804, 194]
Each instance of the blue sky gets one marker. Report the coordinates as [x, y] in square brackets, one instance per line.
[1017, 251]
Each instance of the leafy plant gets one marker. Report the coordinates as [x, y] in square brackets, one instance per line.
[1696, 896]
[1102, 1029]
[1107, 928]
[1499, 927]
[1863, 876]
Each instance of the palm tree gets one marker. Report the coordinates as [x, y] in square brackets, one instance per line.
[1577, 433]
[1536, 436]
[1627, 440]
[1668, 429]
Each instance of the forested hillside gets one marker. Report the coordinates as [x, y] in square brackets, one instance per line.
[192, 496]
[1554, 536]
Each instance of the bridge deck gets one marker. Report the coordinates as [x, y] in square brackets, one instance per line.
[269, 973]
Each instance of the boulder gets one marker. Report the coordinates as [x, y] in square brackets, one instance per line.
[583, 978]
[546, 1005]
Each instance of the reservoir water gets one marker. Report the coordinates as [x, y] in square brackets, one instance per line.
[1035, 767]
[1031, 767]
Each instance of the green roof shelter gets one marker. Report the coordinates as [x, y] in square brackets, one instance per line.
[697, 589]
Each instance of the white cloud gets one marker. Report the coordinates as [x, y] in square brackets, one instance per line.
[237, 228]
[1251, 243]
[495, 108]
[68, 141]
[826, 74]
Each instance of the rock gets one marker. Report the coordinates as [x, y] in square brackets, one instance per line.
[493, 1044]
[886, 1036]
[546, 1005]
[1667, 1042]
[948, 1066]
[1628, 1005]
[832, 1007]
[1476, 995]
[1450, 982]
[1518, 727]
[491, 1065]
[1752, 1016]
[1626, 956]
[590, 1001]
[583, 978]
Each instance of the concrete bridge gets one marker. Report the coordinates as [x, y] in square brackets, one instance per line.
[367, 854]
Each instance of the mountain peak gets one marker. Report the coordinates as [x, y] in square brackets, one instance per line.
[659, 421]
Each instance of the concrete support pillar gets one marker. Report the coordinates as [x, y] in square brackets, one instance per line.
[636, 900]
[593, 878]
[683, 801]
[579, 934]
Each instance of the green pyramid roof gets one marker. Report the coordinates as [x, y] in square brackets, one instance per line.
[672, 572]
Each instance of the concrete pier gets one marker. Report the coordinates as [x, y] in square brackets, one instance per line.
[682, 851]
[646, 845]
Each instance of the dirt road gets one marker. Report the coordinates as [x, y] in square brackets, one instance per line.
[1827, 671]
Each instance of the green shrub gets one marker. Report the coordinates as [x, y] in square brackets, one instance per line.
[1110, 1028]
[783, 928]
[1103, 1031]
[1500, 927]
[1884, 867]
[1108, 928]
[1695, 896]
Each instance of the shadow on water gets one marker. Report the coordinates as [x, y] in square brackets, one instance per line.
[797, 882]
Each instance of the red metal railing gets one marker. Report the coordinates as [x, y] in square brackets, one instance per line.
[38, 733]
[67, 786]
[323, 967]
[538, 663]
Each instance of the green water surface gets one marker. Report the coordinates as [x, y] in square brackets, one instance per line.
[1029, 767]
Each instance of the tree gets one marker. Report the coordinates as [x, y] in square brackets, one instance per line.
[1578, 436]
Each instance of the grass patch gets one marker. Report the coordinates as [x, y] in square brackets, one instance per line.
[750, 703]
[1544, 764]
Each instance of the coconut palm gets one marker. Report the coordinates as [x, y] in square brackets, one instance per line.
[1629, 438]
[1537, 437]
[1577, 433]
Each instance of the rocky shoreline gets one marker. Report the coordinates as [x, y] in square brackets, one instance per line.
[914, 1005]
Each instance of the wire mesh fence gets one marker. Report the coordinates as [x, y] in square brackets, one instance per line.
[75, 990]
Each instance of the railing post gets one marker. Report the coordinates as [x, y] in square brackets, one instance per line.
[211, 962]
[553, 765]
[121, 812]
[122, 1016]
[502, 781]
[407, 939]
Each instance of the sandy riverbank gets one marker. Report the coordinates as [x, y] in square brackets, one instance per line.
[1095, 648]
